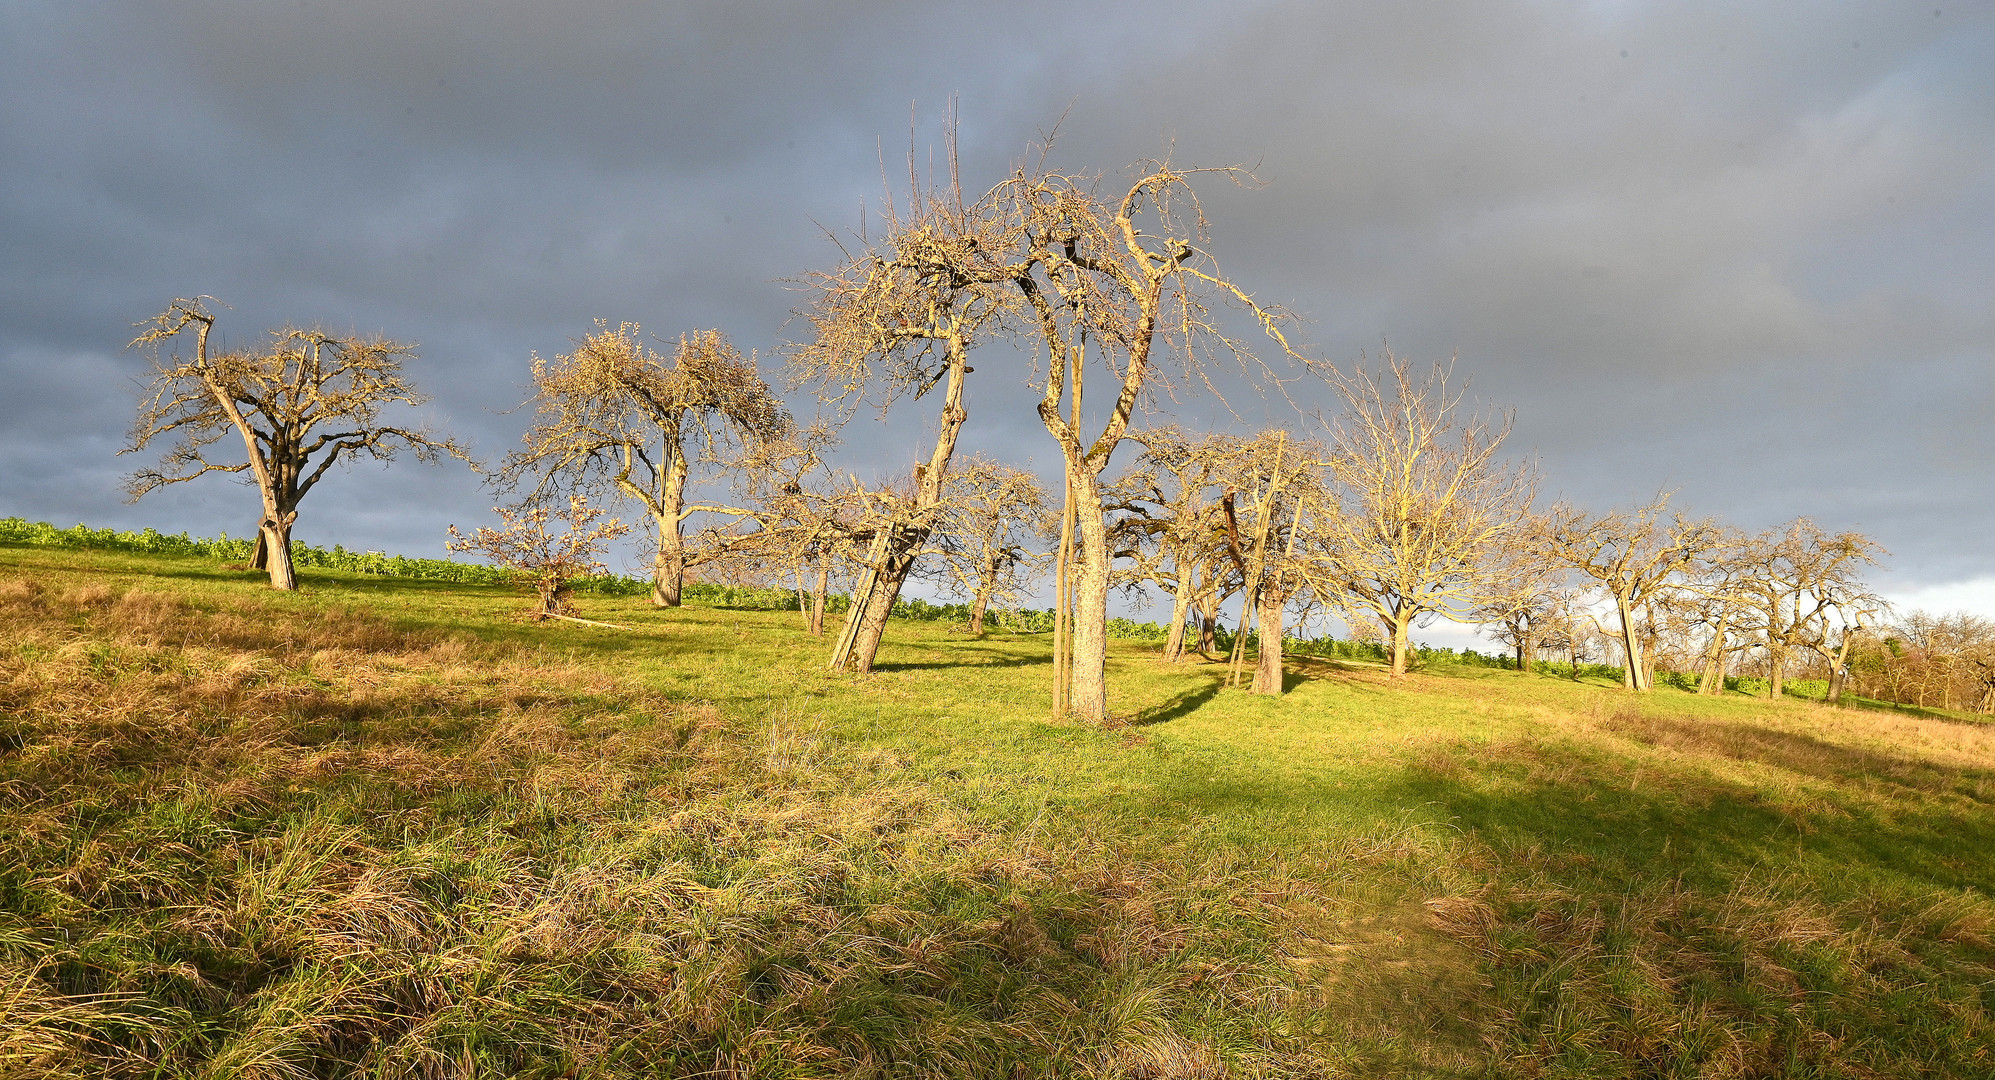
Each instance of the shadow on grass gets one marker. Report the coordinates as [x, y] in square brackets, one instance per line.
[1182, 705]
[1656, 818]
[1922, 712]
[1005, 661]
[1805, 754]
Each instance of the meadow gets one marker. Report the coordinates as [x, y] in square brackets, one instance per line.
[386, 828]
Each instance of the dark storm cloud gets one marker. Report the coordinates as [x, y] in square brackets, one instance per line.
[1741, 250]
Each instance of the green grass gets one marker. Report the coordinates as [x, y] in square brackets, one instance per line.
[382, 827]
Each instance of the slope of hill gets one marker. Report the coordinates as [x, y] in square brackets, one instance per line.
[383, 828]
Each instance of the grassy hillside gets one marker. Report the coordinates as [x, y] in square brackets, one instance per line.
[383, 828]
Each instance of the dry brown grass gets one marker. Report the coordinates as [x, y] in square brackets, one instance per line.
[256, 846]
[253, 835]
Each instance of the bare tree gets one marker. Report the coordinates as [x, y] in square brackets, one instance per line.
[1171, 517]
[1523, 606]
[1929, 659]
[1977, 652]
[1280, 479]
[1422, 506]
[792, 518]
[895, 321]
[1123, 285]
[543, 560]
[1632, 555]
[616, 415]
[308, 400]
[1712, 591]
[992, 515]
[1808, 596]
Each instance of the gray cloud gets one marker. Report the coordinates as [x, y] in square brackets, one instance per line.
[1717, 247]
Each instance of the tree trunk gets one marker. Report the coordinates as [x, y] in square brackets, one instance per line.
[866, 623]
[1402, 639]
[1523, 662]
[1712, 681]
[817, 598]
[1839, 670]
[668, 570]
[1776, 669]
[554, 596]
[1268, 668]
[988, 576]
[1174, 639]
[1088, 699]
[274, 536]
[1631, 647]
[1208, 623]
[894, 551]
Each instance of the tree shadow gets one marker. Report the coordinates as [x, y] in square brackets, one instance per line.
[1005, 662]
[1804, 754]
[1184, 704]
[1662, 816]
[1923, 712]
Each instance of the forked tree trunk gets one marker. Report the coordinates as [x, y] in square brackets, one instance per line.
[1268, 668]
[1839, 667]
[273, 539]
[866, 623]
[1712, 681]
[1715, 687]
[1208, 623]
[668, 574]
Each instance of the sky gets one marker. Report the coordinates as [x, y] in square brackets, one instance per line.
[1744, 252]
